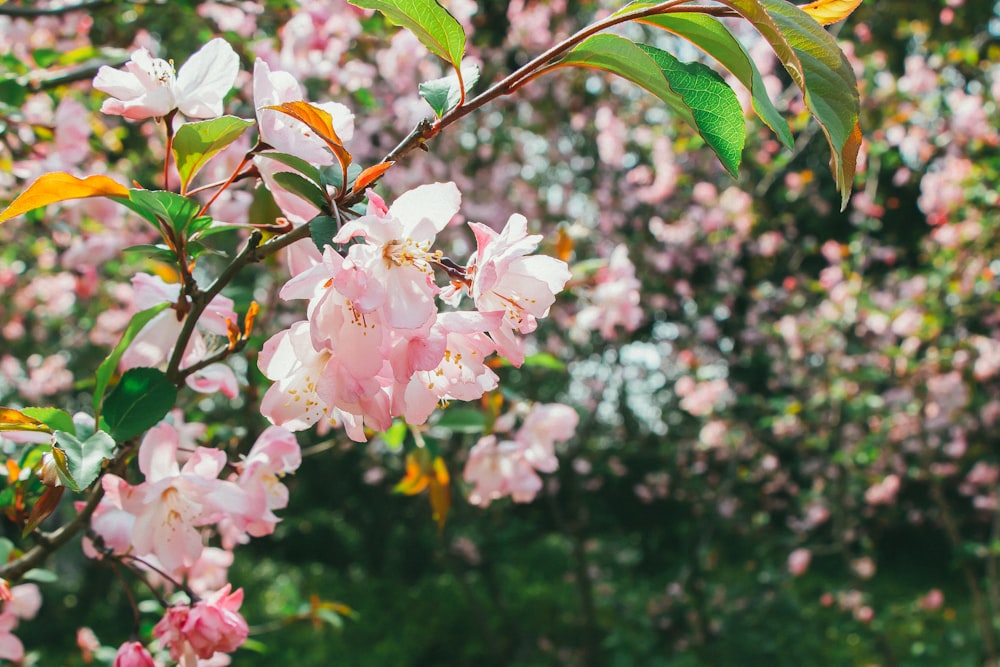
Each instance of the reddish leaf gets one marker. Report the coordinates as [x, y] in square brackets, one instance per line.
[60, 186]
[320, 122]
[44, 506]
[370, 175]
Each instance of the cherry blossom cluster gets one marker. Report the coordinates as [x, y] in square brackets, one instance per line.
[375, 346]
[510, 467]
[162, 524]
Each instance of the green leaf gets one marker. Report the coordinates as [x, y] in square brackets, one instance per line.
[444, 94]
[163, 209]
[108, 366]
[711, 36]
[333, 175]
[302, 187]
[821, 70]
[296, 163]
[462, 420]
[84, 458]
[717, 112]
[323, 228]
[394, 437]
[55, 419]
[143, 396]
[41, 576]
[263, 210]
[45, 57]
[693, 91]
[436, 29]
[198, 142]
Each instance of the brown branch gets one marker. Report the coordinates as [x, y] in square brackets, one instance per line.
[48, 542]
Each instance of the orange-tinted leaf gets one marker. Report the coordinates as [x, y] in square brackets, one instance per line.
[371, 174]
[44, 506]
[830, 11]
[14, 420]
[440, 493]
[564, 245]
[320, 122]
[416, 478]
[60, 186]
[845, 168]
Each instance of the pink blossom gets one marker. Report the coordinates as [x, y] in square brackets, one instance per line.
[504, 279]
[174, 501]
[933, 600]
[883, 493]
[614, 301]
[23, 605]
[148, 87]
[133, 654]
[501, 468]
[397, 254]
[88, 643]
[798, 562]
[213, 625]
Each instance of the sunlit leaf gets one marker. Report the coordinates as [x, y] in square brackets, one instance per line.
[694, 92]
[711, 36]
[84, 458]
[426, 471]
[60, 186]
[370, 175]
[320, 122]
[15, 420]
[54, 418]
[163, 208]
[444, 94]
[431, 23]
[461, 420]
[818, 66]
[197, 142]
[830, 11]
[141, 398]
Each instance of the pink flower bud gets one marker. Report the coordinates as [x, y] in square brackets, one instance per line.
[133, 654]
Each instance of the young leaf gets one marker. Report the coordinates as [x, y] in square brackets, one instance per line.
[164, 208]
[830, 11]
[370, 175]
[444, 94]
[143, 396]
[431, 23]
[693, 91]
[84, 458]
[711, 36]
[302, 187]
[60, 186]
[15, 420]
[43, 508]
[821, 70]
[108, 366]
[196, 143]
[320, 122]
